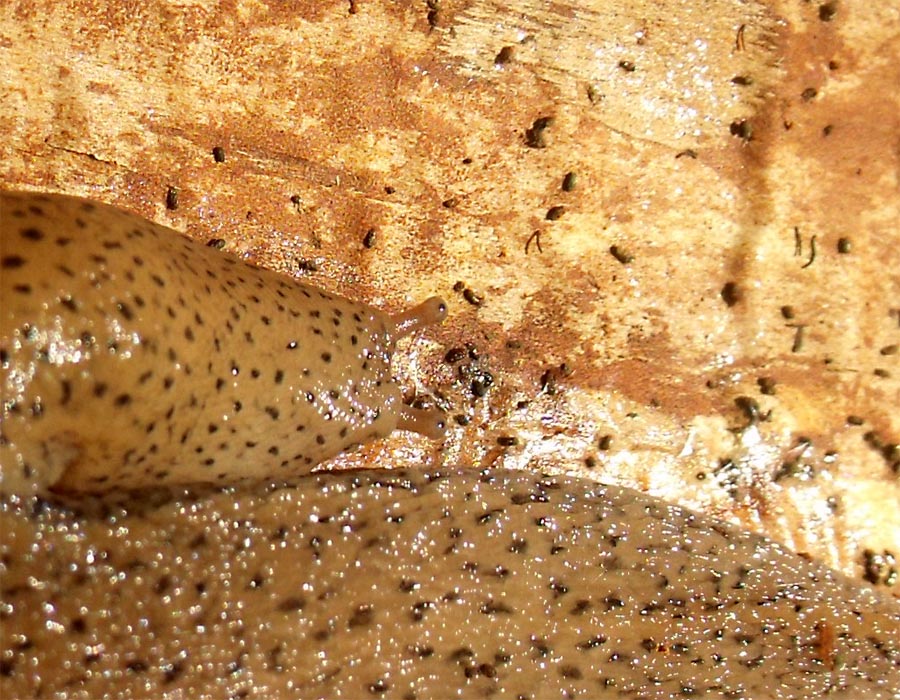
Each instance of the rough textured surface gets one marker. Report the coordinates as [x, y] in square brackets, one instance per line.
[422, 585]
[132, 357]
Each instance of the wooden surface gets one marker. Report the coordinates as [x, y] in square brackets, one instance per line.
[724, 157]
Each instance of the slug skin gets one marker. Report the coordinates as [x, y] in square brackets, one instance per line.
[415, 585]
[134, 357]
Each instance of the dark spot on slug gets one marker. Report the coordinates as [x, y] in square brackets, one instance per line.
[12, 262]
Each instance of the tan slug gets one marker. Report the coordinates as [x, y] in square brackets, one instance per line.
[133, 356]
[422, 585]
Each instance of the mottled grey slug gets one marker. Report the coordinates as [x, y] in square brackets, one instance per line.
[418, 585]
[133, 356]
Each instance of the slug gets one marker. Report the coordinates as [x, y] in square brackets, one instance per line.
[417, 585]
[135, 357]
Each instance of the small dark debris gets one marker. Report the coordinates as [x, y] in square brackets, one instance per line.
[787, 312]
[766, 385]
[555, 212]
[504, 56]
[809, 94]
[454, 355]
[844, 246]
[627, 66]
[433, 15]
[217, 243]
[742, 128]
[369, 238]
[534, 136]
[172, 198]
[855, 420]
[742, 80]
[749, 407]
[889, 451]
[605, 443]
[569, 181]
[551, 376]
[481, 383]
[536, 238]
[218, 154]
[889, 350]
[507, 441]
[880, 568]
[731, 293]
[726, 473]
[827, 11]
[687, 153]
[307, 265]
[473, 297]
[812, 253]
[620, 254]
[739, 43]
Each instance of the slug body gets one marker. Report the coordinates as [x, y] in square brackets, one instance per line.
[417, 585]
[133, 356]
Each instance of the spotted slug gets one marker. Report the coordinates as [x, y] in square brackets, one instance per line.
[133, 356]
[431, 584]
